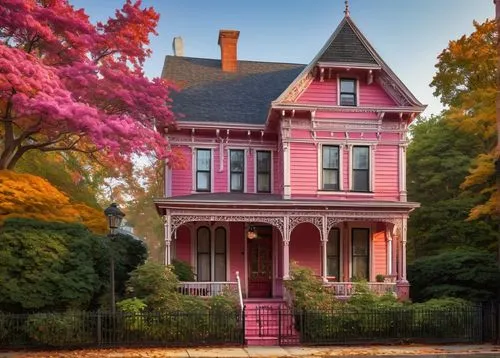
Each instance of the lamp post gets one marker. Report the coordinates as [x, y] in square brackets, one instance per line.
[114, 216]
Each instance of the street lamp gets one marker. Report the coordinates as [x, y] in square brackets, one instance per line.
[114, 216]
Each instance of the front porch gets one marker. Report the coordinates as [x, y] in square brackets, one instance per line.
[342, 243]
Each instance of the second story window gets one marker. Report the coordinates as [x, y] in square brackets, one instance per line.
[236, 170]
[203, 169]
[361, 168]
[348, 92]
[330, 167]
[263, 171]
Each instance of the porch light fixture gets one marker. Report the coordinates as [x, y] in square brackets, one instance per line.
[114, 216]
[251, 233]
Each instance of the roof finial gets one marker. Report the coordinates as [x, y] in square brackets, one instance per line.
[346, 11]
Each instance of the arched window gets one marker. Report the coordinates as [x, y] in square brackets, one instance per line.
[211, 260]
[204, 254]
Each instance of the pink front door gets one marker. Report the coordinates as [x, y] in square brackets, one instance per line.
[260, 264]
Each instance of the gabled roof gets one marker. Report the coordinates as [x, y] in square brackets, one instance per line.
[210, 95]
[347, 46]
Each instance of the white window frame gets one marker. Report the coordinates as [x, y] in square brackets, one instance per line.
[271, 186]
[320, 168]
[347, 76]
[245, 169]
[194, 166]
[194, 248]
[371, 167]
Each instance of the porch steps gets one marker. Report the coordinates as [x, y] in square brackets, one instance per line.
[266, 320]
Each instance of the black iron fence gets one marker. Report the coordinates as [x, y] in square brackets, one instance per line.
[390, 325]
[103, 329]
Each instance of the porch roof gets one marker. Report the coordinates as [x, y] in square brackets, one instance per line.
[204, 201]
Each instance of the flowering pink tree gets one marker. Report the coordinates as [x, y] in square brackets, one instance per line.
[67, 84]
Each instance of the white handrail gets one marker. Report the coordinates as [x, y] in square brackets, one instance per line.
[239, 289]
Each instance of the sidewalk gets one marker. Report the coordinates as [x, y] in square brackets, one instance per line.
[428, 351]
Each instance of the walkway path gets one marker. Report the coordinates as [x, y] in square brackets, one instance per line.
[471, 351]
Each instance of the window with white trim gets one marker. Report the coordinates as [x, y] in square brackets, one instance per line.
[211, 254]
[360, 168]
[263, 171]
[348, 92]
[203, 169]
[330, 167]
[360, 253]
[333, 253]
[236, 170]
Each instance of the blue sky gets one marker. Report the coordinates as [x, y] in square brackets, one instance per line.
[408, 34]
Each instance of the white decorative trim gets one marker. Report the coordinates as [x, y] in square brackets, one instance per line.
[287, 189]
[297, 220]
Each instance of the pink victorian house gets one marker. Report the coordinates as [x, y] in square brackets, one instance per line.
[288, 162]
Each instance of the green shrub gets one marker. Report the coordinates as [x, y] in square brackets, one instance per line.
[66, 329]
[183, 270]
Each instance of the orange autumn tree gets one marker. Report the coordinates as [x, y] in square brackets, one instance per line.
[466, 81]
[29, 196]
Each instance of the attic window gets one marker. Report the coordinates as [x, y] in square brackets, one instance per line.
[348, 92]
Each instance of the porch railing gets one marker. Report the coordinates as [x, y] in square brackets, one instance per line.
[349, 288]
[206, 289]
[240, 293]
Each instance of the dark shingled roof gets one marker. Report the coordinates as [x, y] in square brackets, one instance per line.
[347, 47]
[210, 95]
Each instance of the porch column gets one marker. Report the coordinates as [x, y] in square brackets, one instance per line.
[389, 251]
[168, 238]
[286, 248]
[403, 251]
[324, 247]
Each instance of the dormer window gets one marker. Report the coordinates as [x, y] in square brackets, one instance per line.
[348, 92]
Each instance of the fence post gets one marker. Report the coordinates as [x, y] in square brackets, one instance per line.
[243, 314]
[279, 326]
[99, 328]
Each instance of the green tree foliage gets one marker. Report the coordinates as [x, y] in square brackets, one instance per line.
[438, 160]
[56, 266]
[468, 274]
[49, 266]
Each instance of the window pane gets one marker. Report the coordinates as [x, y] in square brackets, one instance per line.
[347, 86]
[203, 181]
[360, 180]
[360, 268]
[220, 267]
[333, 243]
[203, 159]
[263, 162]
[237, 160]
[203, 240]
[330, 179]
[347, 99]
[333, 266]
[203, 267]
[330, 157]
[220, 241]
[236, 182]
[360, 157]
[263, 183]
[360, 253]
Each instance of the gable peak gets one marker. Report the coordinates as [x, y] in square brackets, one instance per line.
[346, 11]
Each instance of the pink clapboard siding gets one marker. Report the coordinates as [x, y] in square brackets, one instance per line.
[379, 254]
[326, 93]
[182, 180]
[236, 252]
[305, 247]
[303, 168]
[373, 95]
[320, 93]
[386, 172]
[183, 245]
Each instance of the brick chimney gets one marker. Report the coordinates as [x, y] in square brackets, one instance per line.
[228, 42]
